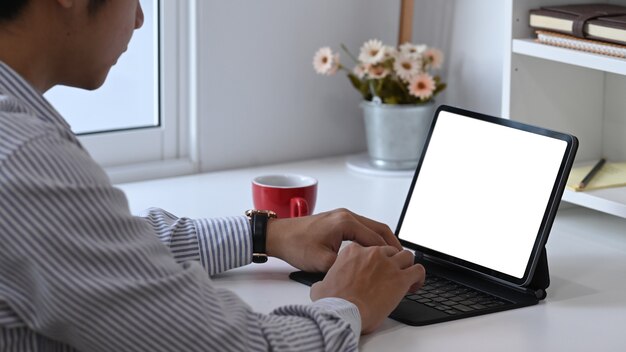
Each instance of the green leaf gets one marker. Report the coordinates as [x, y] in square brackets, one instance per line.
[392, 91]
[439, 88]
[356, 82]
[360, 85]
[378, 87]
[392, 101]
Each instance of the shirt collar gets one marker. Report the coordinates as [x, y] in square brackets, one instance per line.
[12, 84]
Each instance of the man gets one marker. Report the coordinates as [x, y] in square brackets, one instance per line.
[79, 272]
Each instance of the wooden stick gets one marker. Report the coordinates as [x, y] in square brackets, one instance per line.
[406, 22]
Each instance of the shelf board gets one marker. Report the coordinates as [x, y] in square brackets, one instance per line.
[573, 57]
[609, 200]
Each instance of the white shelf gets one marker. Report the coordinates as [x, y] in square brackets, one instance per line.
[568, 56]
[567, 90]
[610, 200]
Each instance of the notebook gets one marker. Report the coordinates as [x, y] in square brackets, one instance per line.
[611, 175]
[478, 214]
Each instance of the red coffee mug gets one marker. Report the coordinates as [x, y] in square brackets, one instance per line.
[287, 195]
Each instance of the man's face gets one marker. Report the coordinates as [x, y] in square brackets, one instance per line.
[96, 40]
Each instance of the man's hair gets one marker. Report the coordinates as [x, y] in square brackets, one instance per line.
[11, 9]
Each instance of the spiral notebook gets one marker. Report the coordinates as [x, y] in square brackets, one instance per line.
[570, 42]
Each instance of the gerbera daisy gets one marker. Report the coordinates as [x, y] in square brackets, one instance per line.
[390, 52]
[407, 67]
[323, 61]
[360, 70]
[412, 50]
[434, 57]
[335, 65]
[377, 71]
[372, 52]
[422, 86]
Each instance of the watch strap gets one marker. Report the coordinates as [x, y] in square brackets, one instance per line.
[258, 226]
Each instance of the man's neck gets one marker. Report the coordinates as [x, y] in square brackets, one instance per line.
[27, 46]
[26, 60]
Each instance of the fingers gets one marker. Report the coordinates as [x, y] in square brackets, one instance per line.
[404, 259]
[314, 291]
[366, 231]
[381, 229]
[416, 274]
[363, 235]
[389, 251]
[325, 259]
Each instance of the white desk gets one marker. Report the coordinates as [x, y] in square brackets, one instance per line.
[586, 305]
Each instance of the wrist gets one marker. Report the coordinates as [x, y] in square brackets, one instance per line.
[273, 241]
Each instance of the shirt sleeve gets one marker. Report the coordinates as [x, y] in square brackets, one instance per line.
[219, 244]
[77, 268]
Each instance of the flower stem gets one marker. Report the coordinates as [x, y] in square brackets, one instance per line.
[343, 46]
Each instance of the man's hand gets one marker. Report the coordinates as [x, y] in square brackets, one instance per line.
[311, 243]
[374, 278]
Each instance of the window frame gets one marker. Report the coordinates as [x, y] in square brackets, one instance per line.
[168, 149]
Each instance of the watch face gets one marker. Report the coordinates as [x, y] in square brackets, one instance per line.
[259, 258]
[270, 214]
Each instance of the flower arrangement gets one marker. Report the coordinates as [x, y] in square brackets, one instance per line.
[387, 74]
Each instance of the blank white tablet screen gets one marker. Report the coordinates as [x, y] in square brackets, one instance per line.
[482, 192]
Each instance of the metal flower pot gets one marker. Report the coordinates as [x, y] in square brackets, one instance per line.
[396, 133]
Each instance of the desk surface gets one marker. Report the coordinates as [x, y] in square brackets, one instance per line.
[586, 305]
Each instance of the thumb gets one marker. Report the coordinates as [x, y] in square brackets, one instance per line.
[313, 293]
[325, 260]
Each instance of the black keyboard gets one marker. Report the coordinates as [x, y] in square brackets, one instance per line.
[453, 298]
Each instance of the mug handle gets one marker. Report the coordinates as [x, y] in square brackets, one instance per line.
[298, 207]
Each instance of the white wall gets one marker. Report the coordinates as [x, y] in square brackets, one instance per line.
[471, 33]
[261, 102]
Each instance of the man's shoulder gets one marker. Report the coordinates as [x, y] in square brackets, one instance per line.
[18, 126]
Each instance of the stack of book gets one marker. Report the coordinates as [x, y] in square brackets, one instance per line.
[597, 28]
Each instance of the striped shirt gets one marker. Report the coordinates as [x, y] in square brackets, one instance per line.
[79, 272]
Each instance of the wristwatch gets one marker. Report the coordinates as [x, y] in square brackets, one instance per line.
[258, 225]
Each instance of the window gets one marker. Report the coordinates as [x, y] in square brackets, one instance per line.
[130, 96]
[138, 124]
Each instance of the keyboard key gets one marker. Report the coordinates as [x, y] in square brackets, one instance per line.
[448, 287]
[478, 306]
[468, 302]
[451, 297]
[483, 299]
[470, 294]
[463, 308]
